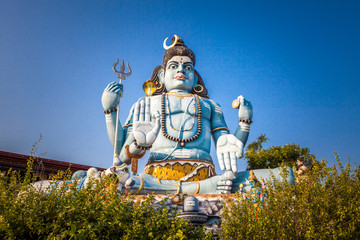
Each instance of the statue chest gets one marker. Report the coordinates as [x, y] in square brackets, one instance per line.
[179, 108]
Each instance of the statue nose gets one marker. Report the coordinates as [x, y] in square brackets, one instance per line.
[180, 69]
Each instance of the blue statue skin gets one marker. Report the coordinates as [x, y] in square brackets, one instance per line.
[164, 149]
[180, 117]
[209, 186]
[143, 123]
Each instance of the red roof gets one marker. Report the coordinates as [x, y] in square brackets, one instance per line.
[19, 161]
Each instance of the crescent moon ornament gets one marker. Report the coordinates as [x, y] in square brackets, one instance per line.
[172, 45]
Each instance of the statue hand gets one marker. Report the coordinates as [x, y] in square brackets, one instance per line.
[228, 148]
[146, 127]
[225, 183]
[111, 95]
[245, 109]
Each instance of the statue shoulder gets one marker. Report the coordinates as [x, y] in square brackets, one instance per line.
[212, 104]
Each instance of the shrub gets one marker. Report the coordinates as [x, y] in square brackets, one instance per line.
[95, 212]
[257, 157]
[323, 204]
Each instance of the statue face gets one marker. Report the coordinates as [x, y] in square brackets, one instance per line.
[179, 74]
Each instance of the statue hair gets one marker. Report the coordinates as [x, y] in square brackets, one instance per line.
[178, 50]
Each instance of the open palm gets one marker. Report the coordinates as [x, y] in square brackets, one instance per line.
[146, 127]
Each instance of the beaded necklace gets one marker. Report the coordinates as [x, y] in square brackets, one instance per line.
[171, 125]
[179, 140]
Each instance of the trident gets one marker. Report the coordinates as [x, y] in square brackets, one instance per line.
[122, 76]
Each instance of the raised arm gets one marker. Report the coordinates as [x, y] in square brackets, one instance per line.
[110, 99]
[245, 118]
[230, 147]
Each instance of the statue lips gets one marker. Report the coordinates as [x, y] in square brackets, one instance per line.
[180, 76]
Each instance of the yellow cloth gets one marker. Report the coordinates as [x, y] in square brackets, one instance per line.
[175, 170]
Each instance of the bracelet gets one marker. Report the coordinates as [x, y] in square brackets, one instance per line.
[245, 121]
[110, 110]
[130, 155]
[141, 148]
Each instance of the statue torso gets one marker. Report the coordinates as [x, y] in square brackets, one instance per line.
[181, 122]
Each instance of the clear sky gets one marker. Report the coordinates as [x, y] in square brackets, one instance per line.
[298, 62]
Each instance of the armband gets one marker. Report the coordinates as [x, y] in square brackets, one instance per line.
[110, 110]
[245, 127]
[220, 128]
[245, 121]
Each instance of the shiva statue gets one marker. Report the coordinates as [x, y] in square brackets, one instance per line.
[175, 122]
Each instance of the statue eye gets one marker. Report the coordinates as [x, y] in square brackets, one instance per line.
[189, 68]
[172, 66]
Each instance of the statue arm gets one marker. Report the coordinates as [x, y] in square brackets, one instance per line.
[245, 117]
[242, 132]
[110, 99]
[228, 146]
[217, 122]
[122, 133]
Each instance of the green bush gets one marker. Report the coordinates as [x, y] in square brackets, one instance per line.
[95, 212]
[324, 204]
[257, 157]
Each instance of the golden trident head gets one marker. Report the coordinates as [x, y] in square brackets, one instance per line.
[172, 45]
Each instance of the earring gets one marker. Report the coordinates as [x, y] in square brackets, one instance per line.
[160, 87]
[198, 91]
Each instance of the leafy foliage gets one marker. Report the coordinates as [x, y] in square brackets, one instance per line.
[257, 157]
[324, 204]
[96, 212]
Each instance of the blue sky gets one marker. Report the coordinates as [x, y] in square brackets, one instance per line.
[298, 63]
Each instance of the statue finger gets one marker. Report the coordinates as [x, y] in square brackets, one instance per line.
[156, 118]
[224, 183]
[241, 99]
[227, 161]
[113, 86]
[233, 161]
[142, 110]
[136, 112]
[118, 89]
[110, 85]
[239, 144]
[221, 161]
[239, 152]
[221, 187]
[147, 109]
[223, 192]
[228, 175]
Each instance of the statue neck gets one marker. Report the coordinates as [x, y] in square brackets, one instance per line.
[178, 91]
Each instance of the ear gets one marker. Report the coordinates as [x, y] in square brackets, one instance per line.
[161, 75]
